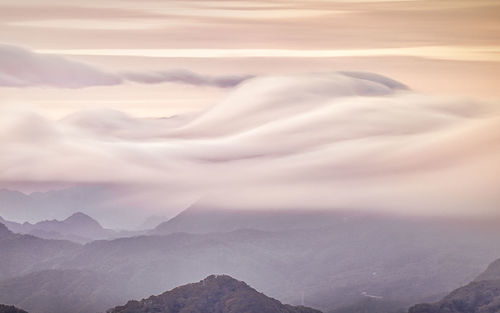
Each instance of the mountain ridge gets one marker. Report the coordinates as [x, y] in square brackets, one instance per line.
[199, 219]
[21, 254]
[78, 227]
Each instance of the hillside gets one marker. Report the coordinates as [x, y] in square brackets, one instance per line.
[10, 309]
[214, 294]
[198, 219]
[491, 273]
[480, 296]
[63, 291]
[22, 254]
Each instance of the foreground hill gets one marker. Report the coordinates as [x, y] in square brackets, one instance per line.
[214, 294]
[10, 309]
[480, 296]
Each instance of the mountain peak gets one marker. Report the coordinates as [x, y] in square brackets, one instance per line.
[221, 278]
[223, 282]
[82, 219]
[216, 293]
[78, 216]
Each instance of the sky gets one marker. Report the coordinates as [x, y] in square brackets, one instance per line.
[443, 47]
[238, 100]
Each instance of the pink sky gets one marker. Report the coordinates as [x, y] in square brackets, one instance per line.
[442, 47]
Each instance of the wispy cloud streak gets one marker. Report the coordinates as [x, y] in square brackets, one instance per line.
[459, 53]
[23, 68]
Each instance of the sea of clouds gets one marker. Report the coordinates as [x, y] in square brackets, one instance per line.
[316, 140]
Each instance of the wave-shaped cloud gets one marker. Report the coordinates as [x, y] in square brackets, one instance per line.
[317, 140]
[185, 77]
[20, 67]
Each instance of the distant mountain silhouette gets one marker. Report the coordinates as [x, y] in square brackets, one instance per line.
[16, 227]
[18, 206]
[79, 227]
[153, 221]
[214, 294]
[10, 309]
[480, 296]
[198, 219]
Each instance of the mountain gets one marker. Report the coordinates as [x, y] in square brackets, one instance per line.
[327, 263]
[95, 200]
[15, 227]
[152, 222]
[10, 309]
[15, 204]
[397, 259]
[21, 254]
[79, 227]
[5, 233]
[491, 273]
[78, 222]
[480, 296]
[63, 291]
[198, 219]
[214, 294]
[476, 297]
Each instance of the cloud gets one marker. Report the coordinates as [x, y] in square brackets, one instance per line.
[23, 68]
[20, 67]
[185, 77]
[325, 140]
